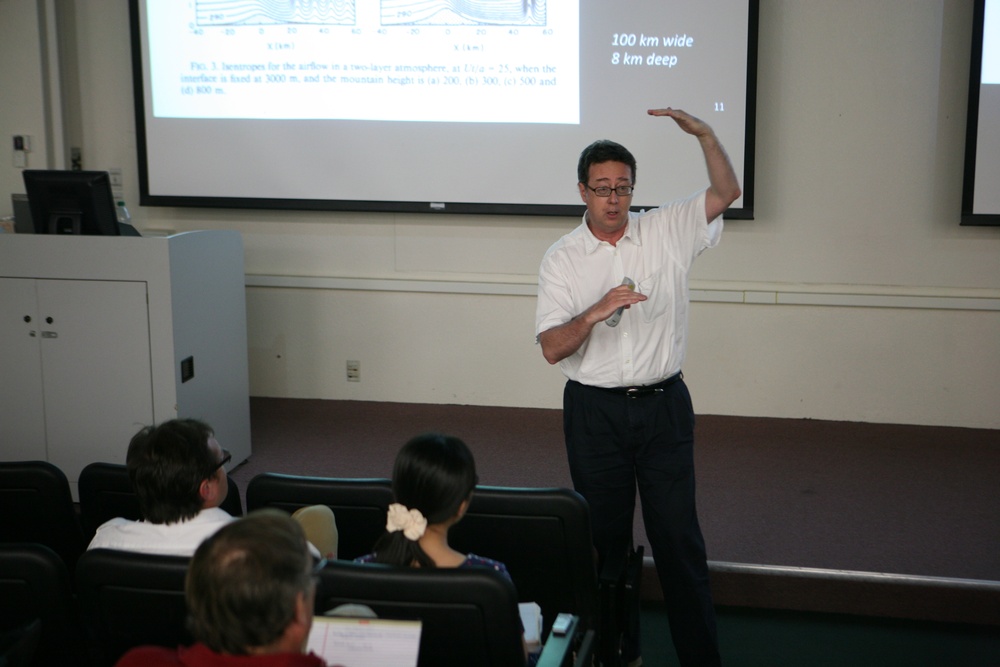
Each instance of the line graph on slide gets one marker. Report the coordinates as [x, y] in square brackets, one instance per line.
[272, 12]
[464, 12]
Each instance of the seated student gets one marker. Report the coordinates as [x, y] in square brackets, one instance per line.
[177, 470]
[178, 475]
[432, 483]
[250, 593]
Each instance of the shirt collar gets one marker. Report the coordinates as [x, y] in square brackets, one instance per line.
[591, 243]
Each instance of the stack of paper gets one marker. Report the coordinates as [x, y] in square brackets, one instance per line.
[365, 642]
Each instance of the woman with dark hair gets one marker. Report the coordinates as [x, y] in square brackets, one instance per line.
[432, 482]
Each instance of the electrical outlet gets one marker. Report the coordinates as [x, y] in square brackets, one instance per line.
[353, 371]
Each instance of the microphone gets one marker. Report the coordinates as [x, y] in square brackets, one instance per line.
[617, 316]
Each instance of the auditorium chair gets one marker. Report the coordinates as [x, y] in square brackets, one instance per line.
[106, 493]
[543, 536]
[36, 506]
[131, 599]
[36, 585]
[469, 616]
[359, 505]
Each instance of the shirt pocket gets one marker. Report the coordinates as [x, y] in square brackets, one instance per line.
[659, 296]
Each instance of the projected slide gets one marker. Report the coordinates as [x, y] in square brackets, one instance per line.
[991, 43]
[215, 59]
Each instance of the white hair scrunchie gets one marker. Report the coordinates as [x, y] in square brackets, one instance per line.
[411, 522]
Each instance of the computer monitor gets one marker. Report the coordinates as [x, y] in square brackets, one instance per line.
[71, 202]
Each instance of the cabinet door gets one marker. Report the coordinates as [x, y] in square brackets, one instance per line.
[22, 415]
[95, 369]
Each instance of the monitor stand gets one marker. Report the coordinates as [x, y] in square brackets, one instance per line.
[64, 223]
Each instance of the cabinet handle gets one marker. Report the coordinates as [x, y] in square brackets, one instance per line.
[27, 319]
[50, 334]
[48, 320]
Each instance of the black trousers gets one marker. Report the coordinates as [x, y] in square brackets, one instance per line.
[617, 443]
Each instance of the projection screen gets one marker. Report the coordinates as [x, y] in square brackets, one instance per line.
[465, 106]
[981, 194]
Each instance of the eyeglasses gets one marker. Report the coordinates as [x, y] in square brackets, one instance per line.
[226, 458]
[316, 569]
[605, 191]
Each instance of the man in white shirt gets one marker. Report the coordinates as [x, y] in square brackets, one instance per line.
[612, 312]
[177, 470]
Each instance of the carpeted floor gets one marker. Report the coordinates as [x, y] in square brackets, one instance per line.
[803, 493]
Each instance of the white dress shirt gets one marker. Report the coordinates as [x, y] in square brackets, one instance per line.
[656, 252]
[169, 539]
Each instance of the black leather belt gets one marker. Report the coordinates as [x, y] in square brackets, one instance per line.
[644, 390]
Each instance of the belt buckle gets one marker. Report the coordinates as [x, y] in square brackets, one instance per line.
[636, 392]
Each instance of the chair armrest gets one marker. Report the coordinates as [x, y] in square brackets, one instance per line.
[558, 649]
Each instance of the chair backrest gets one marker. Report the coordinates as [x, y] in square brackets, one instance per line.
[35, 584]
[359, 505]
[469, 616]
[130, 599]
[543, 536]
[36, 506]
[106, 493]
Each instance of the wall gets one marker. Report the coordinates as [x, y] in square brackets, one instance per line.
[853, 295]
[22, 103]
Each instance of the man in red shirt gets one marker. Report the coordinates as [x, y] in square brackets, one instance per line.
[250, 593]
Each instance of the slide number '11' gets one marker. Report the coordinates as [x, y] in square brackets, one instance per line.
[720, 106]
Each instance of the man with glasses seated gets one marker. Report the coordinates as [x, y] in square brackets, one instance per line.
[612, 312]
[178, 473]
[177, 470]
[250, 592]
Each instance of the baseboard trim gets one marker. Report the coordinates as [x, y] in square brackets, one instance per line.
[939, 599]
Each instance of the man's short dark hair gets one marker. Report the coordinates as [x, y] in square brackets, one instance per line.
[603, 150]
[167, 464]
[243, 582]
